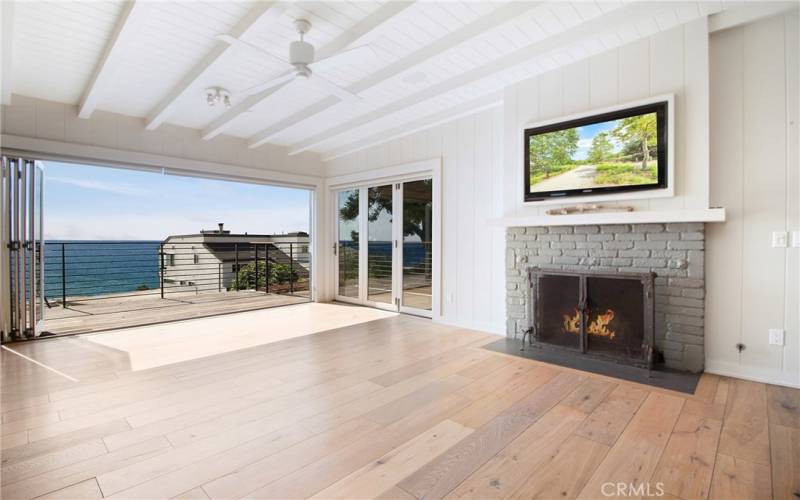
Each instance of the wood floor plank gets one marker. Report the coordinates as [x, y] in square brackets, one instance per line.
[85, 490]
[564, 473]
[608, 420]
[589, 395]
[687, 463]
[736, 478]
[446, 472]
[499, 399]
[248, 463]
[785, 452]
[353, 413]
[317, 476]
[193, 494]
[783, 406]
[506, 471]
[634, 457]
[65, 476]
[373, 479]
[745, 431]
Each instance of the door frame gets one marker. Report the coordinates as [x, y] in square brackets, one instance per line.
[406, 172]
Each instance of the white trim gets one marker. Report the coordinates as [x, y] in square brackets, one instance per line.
[73, 379]
[45, 149]
[666, 192]
[643, 217]
[727, 369]
[385, 175]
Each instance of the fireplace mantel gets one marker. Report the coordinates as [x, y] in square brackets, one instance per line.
[643, 217]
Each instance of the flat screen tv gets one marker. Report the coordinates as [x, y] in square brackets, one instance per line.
[616, 151]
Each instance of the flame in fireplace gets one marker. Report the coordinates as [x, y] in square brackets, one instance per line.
[572, 324]
[597, 326]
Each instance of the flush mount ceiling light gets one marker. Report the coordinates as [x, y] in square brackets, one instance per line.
[218, 95]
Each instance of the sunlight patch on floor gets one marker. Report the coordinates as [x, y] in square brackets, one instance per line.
[159, 345]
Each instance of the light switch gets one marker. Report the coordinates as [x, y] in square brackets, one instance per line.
[776, 336]
[780, 239]
[796, 239]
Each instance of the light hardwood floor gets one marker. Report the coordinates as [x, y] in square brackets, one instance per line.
[397, 407]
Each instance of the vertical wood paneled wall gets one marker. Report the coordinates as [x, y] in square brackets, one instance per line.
[755, 175]
[473, 279]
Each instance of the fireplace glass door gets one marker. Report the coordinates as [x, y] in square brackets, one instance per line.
[615, 320]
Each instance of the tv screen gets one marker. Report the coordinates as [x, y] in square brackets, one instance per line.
[618, 151]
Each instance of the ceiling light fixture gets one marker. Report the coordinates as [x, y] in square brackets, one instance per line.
[217, 95]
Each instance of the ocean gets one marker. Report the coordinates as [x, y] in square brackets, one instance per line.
[100, 267]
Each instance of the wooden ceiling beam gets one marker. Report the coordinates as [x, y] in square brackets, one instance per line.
[485, 23]
[134, 15]
[261, 15]
[625, 13]
[464, 109]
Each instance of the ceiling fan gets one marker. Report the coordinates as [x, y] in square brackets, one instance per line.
[301, 57]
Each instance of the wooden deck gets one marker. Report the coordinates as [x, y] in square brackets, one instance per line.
[396, 407]
[92, 314]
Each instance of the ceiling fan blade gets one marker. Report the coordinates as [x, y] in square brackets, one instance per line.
[232, 40]
[344, 57]
[275, 82]
[334, 89]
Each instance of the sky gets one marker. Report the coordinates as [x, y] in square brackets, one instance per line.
[587, 133]
[98, 203]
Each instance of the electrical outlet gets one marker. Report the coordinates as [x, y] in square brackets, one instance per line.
[450, 297]
[780, 239]
[776, 336]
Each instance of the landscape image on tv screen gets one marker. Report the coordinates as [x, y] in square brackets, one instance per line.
[616, 153]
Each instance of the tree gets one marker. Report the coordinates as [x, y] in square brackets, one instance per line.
[640, 129]
[416, 216]
[601, 149]
[279, 273]
[553, 149]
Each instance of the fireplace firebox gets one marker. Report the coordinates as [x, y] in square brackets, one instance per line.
[604, 315]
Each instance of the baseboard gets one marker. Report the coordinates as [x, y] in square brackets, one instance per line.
[766, 377]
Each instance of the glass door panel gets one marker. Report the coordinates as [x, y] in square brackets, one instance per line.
[348, 230]
[417, 273]
[379, 247]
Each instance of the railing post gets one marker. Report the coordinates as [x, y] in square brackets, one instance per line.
[236, 266]
[219, 277]
[291, 269]
[266, 267]
[161, 277]
[63, 276]
[255, 287]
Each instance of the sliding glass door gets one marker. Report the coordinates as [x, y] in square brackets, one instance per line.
[393, 269]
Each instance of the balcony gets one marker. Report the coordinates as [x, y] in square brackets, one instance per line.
[93, 285]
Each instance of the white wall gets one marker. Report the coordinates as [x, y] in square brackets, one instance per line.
[755, 175]
[673, 61]
[473, 254]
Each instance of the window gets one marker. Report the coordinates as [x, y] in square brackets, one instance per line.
[196, 259]
[170, 259]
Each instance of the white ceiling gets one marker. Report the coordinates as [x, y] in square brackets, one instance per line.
[430, 57]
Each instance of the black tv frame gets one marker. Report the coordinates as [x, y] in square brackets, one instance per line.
[661, 108]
